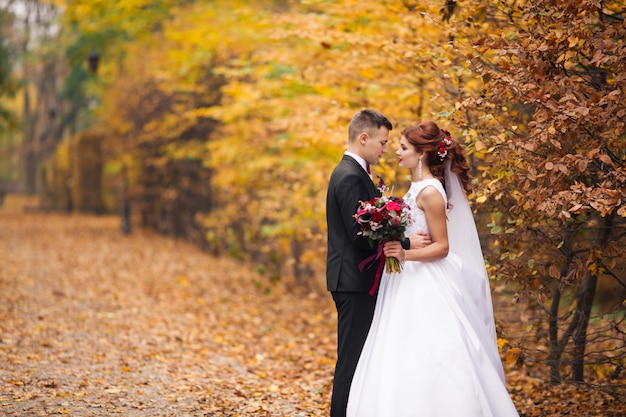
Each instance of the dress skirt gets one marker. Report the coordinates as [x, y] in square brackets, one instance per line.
[431, 350]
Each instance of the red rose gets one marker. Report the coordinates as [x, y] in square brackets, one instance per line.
[377, 216]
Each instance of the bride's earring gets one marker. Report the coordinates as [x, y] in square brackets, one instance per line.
[419, 169]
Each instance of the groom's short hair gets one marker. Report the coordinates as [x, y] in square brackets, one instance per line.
[365, 120]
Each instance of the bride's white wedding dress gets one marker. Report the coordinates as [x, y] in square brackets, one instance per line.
[431, 350]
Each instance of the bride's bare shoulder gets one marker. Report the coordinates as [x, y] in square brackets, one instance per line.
[430, 196]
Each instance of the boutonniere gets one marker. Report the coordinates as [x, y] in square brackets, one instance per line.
[382, 187]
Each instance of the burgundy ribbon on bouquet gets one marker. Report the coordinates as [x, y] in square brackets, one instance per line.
[369, 261]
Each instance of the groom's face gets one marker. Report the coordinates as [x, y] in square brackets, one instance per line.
[375, 144]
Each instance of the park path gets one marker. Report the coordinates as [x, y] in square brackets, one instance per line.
[95, 323]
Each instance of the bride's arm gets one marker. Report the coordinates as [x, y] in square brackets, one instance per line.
[434, 206]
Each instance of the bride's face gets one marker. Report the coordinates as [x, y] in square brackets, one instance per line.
[407, 155]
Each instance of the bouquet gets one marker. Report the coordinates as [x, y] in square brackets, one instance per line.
[383, 219]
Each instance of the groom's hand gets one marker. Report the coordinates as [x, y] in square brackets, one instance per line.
[419, 240]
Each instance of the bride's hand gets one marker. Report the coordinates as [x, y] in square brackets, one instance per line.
[393, 249]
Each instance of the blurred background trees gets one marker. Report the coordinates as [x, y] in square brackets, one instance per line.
[220, 122]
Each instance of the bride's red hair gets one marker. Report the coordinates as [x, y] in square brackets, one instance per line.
[426, 136]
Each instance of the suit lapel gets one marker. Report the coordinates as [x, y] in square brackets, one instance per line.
[366, 178]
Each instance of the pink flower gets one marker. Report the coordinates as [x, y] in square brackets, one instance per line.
[394, 206]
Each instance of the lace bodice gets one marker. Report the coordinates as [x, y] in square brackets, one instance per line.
[418, 219]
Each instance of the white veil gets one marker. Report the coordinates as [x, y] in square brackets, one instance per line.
[464, 242]
[462, 233]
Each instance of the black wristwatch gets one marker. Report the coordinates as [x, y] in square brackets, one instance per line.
[406, 243]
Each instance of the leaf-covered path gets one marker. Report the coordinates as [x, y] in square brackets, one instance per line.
[95, 323]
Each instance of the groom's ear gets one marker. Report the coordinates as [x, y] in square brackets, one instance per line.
[363, 138]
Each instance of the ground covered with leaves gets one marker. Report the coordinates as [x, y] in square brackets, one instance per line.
[95, 323]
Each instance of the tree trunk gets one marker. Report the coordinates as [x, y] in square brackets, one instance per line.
[583, 305]
[302, 272]
[28, 142]
[556, 346]
[554, 361]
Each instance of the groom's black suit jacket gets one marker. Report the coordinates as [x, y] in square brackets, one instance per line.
[348, 185]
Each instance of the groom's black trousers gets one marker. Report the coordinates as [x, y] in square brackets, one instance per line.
[354, 317]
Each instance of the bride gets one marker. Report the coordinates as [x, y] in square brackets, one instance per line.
[431, 350]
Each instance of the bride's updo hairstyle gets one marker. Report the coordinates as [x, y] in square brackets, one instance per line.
[439, 147]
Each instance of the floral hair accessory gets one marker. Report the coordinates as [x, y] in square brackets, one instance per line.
[443, 145]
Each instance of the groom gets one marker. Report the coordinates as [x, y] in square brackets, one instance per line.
[351, 182]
